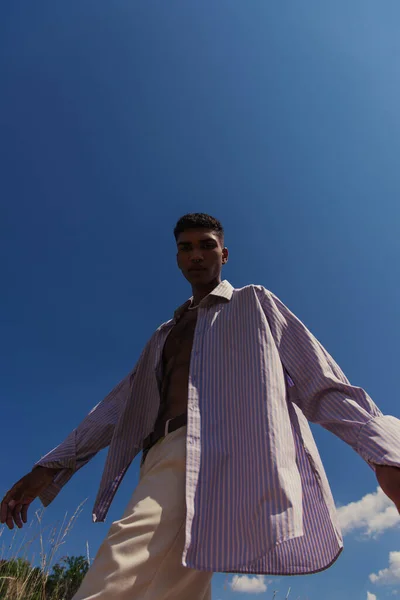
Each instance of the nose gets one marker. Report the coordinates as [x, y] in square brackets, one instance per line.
[196, 256]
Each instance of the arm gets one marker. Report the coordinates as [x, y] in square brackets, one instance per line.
[55, 469]
[324, 394]
[92, 435]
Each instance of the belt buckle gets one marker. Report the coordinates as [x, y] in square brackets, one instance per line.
[166, 427]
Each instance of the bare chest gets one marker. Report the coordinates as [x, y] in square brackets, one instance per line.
[180, 339]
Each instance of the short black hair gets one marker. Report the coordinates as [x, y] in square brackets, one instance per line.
[199, 221]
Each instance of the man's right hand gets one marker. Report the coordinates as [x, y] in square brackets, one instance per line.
[15, 504]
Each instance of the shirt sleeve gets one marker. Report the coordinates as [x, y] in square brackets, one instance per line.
[92, 435]
[325, 395]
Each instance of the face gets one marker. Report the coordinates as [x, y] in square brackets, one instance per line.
[200, 256]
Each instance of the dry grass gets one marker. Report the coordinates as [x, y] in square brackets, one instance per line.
[26, 561]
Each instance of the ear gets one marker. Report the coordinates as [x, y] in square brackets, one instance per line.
[225, 255]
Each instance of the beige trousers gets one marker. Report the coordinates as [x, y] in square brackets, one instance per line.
[141, 557]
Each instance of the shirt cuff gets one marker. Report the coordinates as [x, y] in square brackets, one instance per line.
[61, 478]
[379, 441]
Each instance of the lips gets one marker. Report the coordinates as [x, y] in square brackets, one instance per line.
[197, 270]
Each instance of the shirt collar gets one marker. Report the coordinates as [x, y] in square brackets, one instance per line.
[223, 291]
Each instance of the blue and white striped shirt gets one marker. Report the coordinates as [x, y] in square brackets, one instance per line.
[257, 496]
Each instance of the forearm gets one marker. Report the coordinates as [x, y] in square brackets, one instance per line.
[52, 471]
[342, 409]
[91, 436]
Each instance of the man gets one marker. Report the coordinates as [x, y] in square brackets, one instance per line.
[231, 479]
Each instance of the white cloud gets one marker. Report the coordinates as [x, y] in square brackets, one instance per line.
[250, 585]
[373, 514]
[391, 575]
[371, 596]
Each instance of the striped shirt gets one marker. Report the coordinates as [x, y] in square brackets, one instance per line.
[257, 496]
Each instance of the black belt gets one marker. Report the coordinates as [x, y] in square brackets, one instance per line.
[164, 428]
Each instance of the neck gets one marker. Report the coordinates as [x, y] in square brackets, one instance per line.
[201, 291]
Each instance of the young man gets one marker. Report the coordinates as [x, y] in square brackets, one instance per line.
[231, 479]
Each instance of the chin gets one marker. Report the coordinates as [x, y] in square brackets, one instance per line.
[199, 277]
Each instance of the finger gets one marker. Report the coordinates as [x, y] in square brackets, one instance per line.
[17, 515]
[9, 520]
[5, 503]
[6, 512]
[24, 513]
[3, 511]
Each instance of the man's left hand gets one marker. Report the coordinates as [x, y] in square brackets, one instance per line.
[389, 480]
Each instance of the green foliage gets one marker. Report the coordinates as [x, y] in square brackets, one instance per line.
[66, 577]
[20, 581]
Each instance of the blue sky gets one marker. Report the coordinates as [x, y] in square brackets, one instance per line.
[116, 118]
